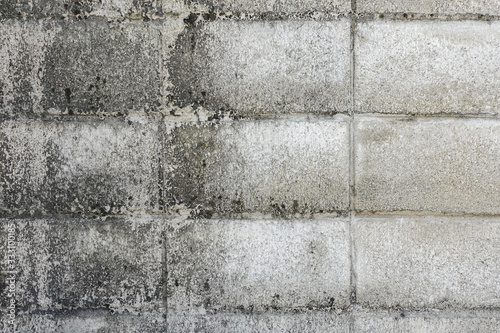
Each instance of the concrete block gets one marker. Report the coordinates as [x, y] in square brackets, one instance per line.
[441, 165]
[431, 262]
[427, 322]
[313, 321]
[68, 8]
[91, 167]
[427, 67]
[259, 67]
[81, 67]
[281, 167]
[68, 264]
[256, 265]
[95, 321]
[285, 6]
[450, 7]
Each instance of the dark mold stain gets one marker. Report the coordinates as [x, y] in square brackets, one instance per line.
[101, 70]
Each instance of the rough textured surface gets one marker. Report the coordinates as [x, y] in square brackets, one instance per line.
[254, 67]
[95, 167]
[317, 322]
[88, 322]
[427, 262]
[422, 67]
[424, 322]
[447, 165]
[258, 264]
[282, 167]
[83, 8]
[488, 7]
[82, 67]
[283, 6]
[113, 264]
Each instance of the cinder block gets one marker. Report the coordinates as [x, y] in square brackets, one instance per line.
[258, 264]
[281, 167]
[285, 322]
[486, 7]
[68, 264]
[432, 262]
[441, 165]
[427, 67]
[95, 321]
[427, 322]
[285, 6]
[255, 67]
[81, 67]
[84, 8]
[90, 167]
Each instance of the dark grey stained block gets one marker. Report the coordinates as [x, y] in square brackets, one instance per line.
[90, 167]
[65, 264]
[80, 67]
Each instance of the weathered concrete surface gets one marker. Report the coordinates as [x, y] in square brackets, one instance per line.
[423, 67]
[282, 167]
[432, 262]
[80, 67]
[424, 322]
[445, 165]
[67, 8]
[113, 264]
[257, 265]
[313, 321]
[94, 167]
[284, 6]
[254, 67]
[487, 7]
[97, 321]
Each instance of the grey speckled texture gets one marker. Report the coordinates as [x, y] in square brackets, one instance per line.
[422, 67]
[472, 322]
[97, 321]
[441, 165]
[94, 167]
[64, 264]
[433, 262]
[488, 7]
[80, 67]
[83, 8]
[278, 6]
[308, 322]
[257, 265]
[282, 167]
[258, 67]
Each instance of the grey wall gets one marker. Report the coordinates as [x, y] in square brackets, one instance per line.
[250, 166]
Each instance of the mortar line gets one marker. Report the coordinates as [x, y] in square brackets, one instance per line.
[353, 282]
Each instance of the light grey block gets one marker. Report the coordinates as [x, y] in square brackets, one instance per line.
[486, 7]
[433, 262]
[90, 167]
[258, 264]
[68, 264]
[427, 67]
[424, 322]
[282, 167]
[441, 165]
[308, 322]
[259, 67]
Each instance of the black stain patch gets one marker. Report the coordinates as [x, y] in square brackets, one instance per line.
[98, 68]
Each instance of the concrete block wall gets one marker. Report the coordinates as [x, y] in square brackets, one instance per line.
[250, 166]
